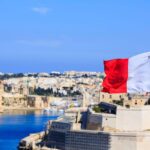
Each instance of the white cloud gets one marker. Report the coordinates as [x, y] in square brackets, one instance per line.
[41, 10]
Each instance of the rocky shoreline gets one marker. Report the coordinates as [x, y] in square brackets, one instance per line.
[30, 142]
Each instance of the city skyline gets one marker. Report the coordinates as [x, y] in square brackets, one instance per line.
[44, 35]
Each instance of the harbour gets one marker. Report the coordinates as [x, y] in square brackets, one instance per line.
[17, 124]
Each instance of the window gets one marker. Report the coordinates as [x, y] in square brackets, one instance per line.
[103, 96]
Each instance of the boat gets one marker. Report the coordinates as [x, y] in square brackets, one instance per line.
[53, 111]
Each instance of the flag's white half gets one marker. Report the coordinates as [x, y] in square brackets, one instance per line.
[139, 73]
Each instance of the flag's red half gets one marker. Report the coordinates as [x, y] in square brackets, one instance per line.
[116, 71]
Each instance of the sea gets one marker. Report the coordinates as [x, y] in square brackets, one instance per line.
[17, 124]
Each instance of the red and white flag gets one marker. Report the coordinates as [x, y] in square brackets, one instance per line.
[127, 75]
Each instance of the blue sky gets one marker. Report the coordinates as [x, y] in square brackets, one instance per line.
[46, 35]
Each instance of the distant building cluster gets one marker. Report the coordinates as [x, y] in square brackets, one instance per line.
[39, 90]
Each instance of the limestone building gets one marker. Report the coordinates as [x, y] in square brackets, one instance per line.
[127, 100]
[37, 102]
[114, 128]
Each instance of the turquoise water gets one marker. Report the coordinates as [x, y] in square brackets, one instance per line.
[15, 125]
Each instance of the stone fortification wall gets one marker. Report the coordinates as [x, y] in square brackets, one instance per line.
[97, 121]
[107, 141]
[98, 140]
[126, 119]
[87, 140]
[106, 97]
[130, 141]
[133, 119]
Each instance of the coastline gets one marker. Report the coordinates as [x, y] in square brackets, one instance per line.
[7, 109]
[20, 108]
